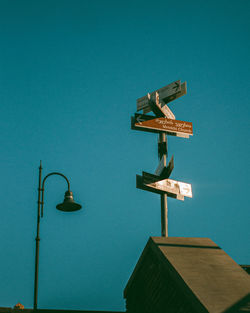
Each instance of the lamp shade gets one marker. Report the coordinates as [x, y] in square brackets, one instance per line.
[68, 205]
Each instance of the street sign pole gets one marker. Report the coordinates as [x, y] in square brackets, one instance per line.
[164, 215]
[164, 203]
[164, 123]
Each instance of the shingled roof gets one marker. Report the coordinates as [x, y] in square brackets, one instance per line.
[177, 274]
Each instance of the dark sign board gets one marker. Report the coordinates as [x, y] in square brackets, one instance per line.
[163, 171]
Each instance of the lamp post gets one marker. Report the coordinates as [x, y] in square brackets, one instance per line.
[68, 205]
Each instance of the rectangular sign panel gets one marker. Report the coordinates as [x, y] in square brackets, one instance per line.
[162, 124]
[143, 103]
[164, 93]
[182, 92]
[168, 113]
[172, 188]
[147, 187]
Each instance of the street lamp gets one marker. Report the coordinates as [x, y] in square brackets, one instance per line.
[68, 205]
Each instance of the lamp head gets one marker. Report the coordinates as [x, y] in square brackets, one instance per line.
[68, 205]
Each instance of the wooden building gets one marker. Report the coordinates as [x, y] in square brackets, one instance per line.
[189, 275]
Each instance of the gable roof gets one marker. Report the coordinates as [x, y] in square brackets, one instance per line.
[206, 277]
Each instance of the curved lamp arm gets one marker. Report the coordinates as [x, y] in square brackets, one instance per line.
[42, 189]
[68, 205]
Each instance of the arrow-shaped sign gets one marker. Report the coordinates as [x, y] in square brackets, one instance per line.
[181, 92]
[160, 167]
[167, 94]
[177, 86]
[163, 171]
[170, 98]
[164, 93]
[162, 124]
[172, 188]
[139, 119]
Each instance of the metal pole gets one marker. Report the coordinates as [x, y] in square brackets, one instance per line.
[164, 205]
[37, 238]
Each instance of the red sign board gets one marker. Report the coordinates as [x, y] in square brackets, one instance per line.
[163, 124]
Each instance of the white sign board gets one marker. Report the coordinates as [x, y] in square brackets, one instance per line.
[180, 189]
[168, 113]
[162, 107]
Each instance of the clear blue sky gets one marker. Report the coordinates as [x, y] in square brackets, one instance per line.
[70, 74]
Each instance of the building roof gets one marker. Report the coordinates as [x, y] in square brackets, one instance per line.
[208, 278]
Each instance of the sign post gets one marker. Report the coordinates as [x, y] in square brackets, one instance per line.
[164, 198]
[163, 123]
